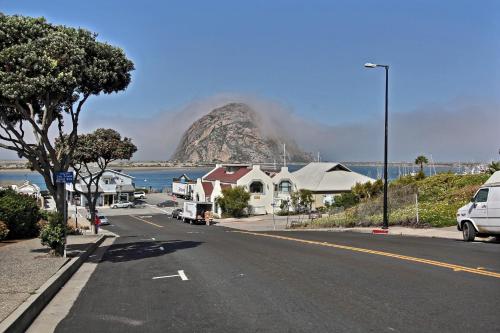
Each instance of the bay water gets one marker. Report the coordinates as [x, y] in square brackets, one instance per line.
[161, 179]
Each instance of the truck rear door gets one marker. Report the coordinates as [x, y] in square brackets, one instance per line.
[479, 212]
[494, 209]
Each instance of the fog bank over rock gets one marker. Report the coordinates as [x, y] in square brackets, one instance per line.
[235, 133]
[459, 130]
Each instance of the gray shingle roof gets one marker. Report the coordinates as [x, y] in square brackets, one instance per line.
[328, 177]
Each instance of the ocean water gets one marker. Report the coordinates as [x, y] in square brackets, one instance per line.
[161, 179]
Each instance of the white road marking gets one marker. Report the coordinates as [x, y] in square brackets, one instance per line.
[145, 216]
[181, 274]
[153, 238]
[161, 248]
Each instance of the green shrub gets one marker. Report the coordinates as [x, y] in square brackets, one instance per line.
[20, 212]
[234, 201]
[439, 198]
[4, 231]
[345, 200]
[52, 234]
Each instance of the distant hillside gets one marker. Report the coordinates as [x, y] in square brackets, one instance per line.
[233, 133]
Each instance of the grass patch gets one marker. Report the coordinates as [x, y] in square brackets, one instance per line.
[439, 198]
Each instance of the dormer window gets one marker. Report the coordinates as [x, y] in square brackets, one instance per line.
[256, 187]
[285, 186]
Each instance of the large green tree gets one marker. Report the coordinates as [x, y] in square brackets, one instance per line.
[91, 157]
[47, 73]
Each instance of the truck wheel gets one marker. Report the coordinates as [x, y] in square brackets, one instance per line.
[468, 231]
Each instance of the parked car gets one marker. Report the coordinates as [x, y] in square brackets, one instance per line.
[168, 203]
[122, 204]
[104, 219]
[177, 213]
[481, 216]
[140, 195]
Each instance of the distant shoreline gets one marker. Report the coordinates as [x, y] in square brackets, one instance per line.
[144, 168]
[6, 168]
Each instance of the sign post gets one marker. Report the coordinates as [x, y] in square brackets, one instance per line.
[65, 178]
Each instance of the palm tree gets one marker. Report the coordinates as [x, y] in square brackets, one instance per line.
[421, 160]
[493, 166]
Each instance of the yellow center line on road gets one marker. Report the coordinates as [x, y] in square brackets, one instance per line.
[138, 218]
[455, 268]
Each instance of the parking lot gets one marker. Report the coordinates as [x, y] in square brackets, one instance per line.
[147, 206]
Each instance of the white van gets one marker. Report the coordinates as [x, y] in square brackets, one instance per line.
[481, 216]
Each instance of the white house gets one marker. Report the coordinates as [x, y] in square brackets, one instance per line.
[284, 185]
[25, 187]
[257, 182]
[261, 188]
[268, 188]
[113, 186]
[327, 180]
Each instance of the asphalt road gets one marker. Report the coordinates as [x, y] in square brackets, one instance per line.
[315, 282]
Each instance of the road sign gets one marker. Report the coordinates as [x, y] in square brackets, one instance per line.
[64, 177]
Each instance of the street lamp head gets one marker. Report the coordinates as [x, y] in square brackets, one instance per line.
[370, 65]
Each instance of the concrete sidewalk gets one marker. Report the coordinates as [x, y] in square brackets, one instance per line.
[265, 223]
[260, 222]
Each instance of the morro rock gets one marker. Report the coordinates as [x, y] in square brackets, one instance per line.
[233, 134]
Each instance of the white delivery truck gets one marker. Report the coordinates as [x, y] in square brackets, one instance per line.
[197, 212]
[180, 189]
[481, 216]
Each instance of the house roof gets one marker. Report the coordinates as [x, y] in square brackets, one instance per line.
[124, 188]
[228, 175]
[328, 177]
[20, 184]
[208, 188]
[93, 170]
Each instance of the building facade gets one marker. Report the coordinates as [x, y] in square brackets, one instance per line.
[114, 186]
[326, 180]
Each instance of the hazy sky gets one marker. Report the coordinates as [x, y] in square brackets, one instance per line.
[304, 58]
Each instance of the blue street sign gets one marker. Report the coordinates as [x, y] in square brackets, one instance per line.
[64, 177]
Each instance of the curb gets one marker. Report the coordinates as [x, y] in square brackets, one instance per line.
[20, 319]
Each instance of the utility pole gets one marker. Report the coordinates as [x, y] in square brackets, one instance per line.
[386, 126]
[284, 154]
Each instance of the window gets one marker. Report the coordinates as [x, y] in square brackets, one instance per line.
[482, 195]
[285, 186]
[256, 187]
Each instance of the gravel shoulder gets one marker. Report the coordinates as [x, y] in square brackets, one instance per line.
[26, 265]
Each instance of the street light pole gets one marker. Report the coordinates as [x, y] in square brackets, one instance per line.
[386, 67]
